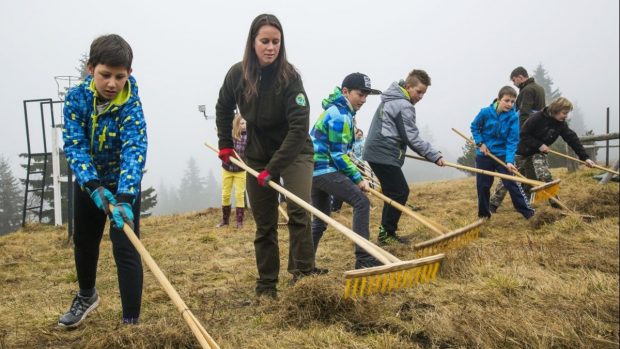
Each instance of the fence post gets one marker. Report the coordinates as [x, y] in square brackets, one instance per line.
[607, 142]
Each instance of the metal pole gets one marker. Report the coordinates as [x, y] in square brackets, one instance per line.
[607, 142]
[27, 166]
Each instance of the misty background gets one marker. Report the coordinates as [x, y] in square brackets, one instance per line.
[182, 51]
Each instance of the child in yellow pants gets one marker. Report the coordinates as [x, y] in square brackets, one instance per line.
[234, 176]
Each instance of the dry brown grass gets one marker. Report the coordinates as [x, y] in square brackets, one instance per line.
[551, 285]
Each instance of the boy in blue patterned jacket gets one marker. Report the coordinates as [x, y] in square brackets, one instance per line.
[334, 173]
[105, 144]
[496, 130]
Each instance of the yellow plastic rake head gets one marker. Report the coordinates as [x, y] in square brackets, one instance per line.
[545, 191]
[391, 277]
[449, 241]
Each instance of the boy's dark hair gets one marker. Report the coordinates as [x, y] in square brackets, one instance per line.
[418, 76]
[110, 50]
[519, 71]
[251, 67]
[507, 90]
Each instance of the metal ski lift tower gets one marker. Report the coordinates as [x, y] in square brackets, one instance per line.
[52, 109]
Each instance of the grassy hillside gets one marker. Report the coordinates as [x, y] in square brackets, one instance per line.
[549, 283]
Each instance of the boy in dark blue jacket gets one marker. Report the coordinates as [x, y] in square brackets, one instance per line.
[496, 130]
[105, 144]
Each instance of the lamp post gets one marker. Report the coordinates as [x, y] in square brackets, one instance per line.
[203, 110]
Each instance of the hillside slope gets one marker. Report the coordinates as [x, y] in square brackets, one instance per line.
[552, 282]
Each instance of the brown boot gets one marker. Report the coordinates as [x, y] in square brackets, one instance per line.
[225, 216]
[240, 212]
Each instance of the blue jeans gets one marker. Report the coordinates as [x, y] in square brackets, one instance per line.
[341, 187]
[484, 184]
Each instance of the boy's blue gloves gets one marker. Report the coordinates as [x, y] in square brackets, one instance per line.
[121, 214]
[102, 197]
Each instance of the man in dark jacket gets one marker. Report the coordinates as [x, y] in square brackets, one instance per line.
[531, 96]
[531, 99]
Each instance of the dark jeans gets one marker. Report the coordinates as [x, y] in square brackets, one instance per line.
[89, 226]
[484, 184]
[342, 188]
[297, 179]
[394, 185]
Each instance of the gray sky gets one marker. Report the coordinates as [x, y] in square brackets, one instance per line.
[183, 49]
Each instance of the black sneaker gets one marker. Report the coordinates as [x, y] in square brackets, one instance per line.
[267, 292]
[131, 320]
[367, 263]
[388, 238]
[80, 308]
[400, 239]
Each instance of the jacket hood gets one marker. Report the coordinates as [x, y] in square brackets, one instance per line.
[395, 91]
[338, 99]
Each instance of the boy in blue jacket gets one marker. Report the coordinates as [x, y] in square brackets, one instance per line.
[334, 172]
[105, 144]
[496, 130]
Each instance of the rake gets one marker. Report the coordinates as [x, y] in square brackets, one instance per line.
[583, 162]
[517, 173]
[203, 337]
[283, 213]
[445, 241]
[393, 275]
[540, 190]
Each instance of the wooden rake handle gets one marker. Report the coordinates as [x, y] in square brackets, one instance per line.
[434, 226]
[516, 173]
[583, 162]
[199, 331]
[283, 212]
[374, 250]
[484, 172]
[489, 154]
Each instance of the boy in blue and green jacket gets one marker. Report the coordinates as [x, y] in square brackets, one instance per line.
[334, 173]
[496, 130]
[105, 144]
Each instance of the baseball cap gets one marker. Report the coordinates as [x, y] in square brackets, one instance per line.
[359, 81]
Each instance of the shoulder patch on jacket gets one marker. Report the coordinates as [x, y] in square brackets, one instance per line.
[300, 100]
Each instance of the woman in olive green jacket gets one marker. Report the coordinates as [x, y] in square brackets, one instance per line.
[270, 95]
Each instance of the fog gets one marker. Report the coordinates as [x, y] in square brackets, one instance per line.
[182, 51]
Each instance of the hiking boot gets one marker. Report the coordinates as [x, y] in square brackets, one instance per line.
[80, 308]
[301, 275]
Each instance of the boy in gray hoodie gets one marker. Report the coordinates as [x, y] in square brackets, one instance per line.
[392, 130]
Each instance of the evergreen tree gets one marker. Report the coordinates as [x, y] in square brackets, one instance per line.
[541, 76]
[469, 157]
[192, 191]
[82, 68]
[148, 199]
[214, 192]
[10, 199]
